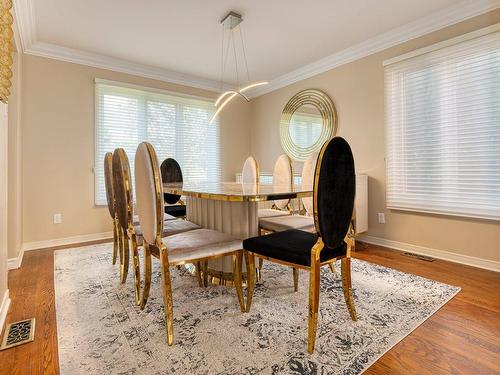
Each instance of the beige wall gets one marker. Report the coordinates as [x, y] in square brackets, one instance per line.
[357, 90]
[15, 173]
[58, 145]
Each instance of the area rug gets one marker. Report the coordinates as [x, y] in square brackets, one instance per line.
[101, 331]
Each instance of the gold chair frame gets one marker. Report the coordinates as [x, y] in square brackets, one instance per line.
[126, 233]
[160, 251]
[314, 269]
[110, 196]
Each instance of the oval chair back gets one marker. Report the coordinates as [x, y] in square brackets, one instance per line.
[283, 175]
[334, 190]
[170, 173]
[108, 183]
[149, 191]
[122, 185]
[307, 181]
[250, 172]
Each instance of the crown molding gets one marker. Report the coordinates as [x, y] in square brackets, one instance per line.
[24, 12]
[26, 20]
[436, 21]
[56, 52]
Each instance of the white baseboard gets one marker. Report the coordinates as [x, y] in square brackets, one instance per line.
[15, 263]
[67, 241]
[435, 253]
[4, 309]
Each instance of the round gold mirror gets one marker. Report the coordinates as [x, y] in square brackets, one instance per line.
[308, 120]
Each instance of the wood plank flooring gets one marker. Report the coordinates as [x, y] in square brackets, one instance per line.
[463, 337]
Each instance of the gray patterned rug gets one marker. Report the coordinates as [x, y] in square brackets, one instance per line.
[101, 331]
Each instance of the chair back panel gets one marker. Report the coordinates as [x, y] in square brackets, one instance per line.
[308, 180]
[250, 172]
[334, 190]
[283, 175]
[122, 185]
[171, 172]
[108, 182]
[149, 192]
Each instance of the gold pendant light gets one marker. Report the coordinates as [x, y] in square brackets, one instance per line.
[232, 23]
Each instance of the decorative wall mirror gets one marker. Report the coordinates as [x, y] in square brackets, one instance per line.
[308, 120]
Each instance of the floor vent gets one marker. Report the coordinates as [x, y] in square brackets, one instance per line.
[18, 333]
[420, 257]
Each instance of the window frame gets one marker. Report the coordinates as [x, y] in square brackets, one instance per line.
[413, 54]
[147, 89]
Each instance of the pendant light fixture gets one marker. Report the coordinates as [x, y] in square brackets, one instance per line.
[231, 25]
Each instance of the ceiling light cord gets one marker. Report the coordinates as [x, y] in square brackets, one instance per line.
[230, 22]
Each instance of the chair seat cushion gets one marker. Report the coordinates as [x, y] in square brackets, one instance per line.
[166, 217]
[281, 223]
[293, 246]
[199, 244]
[176, 210]
[271, 212]
[171, 227]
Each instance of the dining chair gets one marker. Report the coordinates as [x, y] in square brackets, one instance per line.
[110, 198]
[250, 171]
[302, 222]
[122, 185]
[171, 172]
[129, 232]
[189, 247]
[333, 201]
[282, 175]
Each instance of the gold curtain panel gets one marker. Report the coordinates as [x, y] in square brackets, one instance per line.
[6, 48]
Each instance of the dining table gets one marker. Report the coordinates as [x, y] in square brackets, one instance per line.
[230, 207]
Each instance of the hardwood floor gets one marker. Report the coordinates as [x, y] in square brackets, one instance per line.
[463, 337]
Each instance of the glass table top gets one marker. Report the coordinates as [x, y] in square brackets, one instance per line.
[237, 191]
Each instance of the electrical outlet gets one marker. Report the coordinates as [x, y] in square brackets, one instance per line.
[57, 218]
[381, 218]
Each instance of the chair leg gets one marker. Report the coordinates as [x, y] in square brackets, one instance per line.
[115, 242]
[314, 279]
[204, 265]
[147, 275]
[198, 274]
[332, 267]
[295, 279]
[259, 270]
[237, 265]
[346, 286]
[137, 272]
[125, 256]
[167, 296]
[250, 263]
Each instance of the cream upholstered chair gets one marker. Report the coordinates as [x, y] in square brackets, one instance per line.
[301, 222]
[250, 171]
[110, 198]
[130, 233]
[188, 247]
[282, 175]
[122, 183]
[334, 190]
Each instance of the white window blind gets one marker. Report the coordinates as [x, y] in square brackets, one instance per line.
[177, 127]
[443, 130]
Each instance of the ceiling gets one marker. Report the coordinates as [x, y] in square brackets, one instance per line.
[183, 38]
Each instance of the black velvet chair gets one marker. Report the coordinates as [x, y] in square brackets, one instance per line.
[171, 172]
[334, 189]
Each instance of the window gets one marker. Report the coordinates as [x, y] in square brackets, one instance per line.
[443, 128]
[177, 127]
